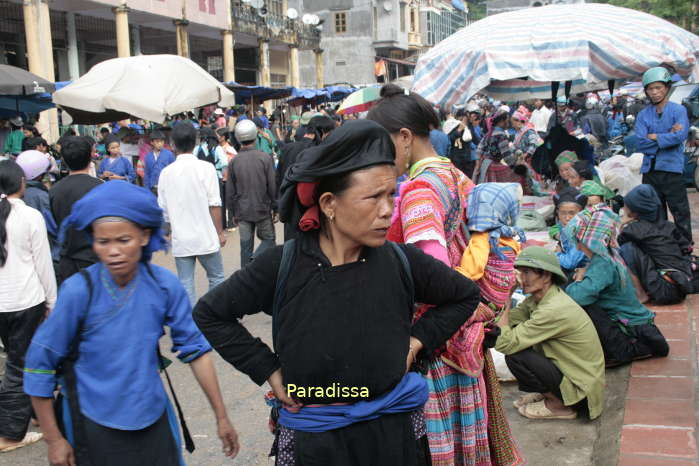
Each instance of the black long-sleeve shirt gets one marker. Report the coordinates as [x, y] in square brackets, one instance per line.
[348, 324]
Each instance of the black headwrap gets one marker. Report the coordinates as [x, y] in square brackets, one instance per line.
[355, 145]
[644, 201]
[570, 194]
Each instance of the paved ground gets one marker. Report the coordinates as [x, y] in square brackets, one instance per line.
[579, 442]
[661, 411]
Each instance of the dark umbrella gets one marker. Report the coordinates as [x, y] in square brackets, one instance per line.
[16, 81]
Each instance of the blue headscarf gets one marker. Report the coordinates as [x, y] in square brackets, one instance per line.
[494, 207]
[644, 201]
[119, 199]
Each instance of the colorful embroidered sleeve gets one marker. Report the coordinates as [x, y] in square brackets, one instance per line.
[53, 339]
[422, 214]
[187, 339]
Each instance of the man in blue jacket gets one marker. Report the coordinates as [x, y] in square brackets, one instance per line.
[662, 129]
[155, 161]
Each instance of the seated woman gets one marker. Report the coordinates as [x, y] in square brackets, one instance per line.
[564, 161]
[656, 252]
[104, 333]
[551, 345]
[569, 202]
[341, 300]
[605, 290]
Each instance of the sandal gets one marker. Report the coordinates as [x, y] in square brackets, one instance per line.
[539, 410]
[31, 437]
[526, 399]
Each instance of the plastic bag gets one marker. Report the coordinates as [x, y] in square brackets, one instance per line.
[501, 369]
[620, 173]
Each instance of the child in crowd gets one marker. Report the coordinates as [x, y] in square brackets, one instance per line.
[595, 193]
[115, 166]
[155, 161]
[569, 202]
[656, 252]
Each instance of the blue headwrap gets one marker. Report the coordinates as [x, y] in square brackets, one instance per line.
[119, 199]
[494, 207]
[644, 201]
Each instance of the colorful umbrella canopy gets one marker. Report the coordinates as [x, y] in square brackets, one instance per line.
[360, 101]
[517, 55]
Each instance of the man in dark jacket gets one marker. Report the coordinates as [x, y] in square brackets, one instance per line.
[251, 192]
[592, 122]
[655, 250]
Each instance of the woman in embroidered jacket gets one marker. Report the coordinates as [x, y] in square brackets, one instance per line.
[115, 312]
[464, 412]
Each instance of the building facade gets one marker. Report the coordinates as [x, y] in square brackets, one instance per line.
[358, 33]
[62, 39]
[440, 20]
[369, 41]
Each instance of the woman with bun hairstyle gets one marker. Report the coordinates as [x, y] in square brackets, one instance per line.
[466, 423]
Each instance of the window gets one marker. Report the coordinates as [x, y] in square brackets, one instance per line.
[376, 22]
[340, 63]
[413, 25]
[402, 17]
[340, 22]
[277, 80]
[275, 7]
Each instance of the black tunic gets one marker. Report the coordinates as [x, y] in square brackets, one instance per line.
[348, 324]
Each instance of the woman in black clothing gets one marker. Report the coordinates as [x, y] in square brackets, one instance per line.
[342, 311]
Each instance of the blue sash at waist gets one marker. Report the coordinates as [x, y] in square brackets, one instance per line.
[410, 394]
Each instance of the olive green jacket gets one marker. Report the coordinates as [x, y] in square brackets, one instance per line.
[562, 331]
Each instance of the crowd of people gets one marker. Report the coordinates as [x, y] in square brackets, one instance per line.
[397, 283]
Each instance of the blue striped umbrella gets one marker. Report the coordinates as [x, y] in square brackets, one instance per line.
[516, 55]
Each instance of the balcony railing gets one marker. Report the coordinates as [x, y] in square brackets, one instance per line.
[248, 20]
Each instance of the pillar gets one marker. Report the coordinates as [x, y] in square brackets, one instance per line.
[320, 72]
[82, 57]
[22, 53]
[182, 37]
[265, 73]
[31, 33]
[294, 74]
[62, 65]
[48, 122]
[72, 47]
[136, 39]
[228, 59]
[121, 18]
